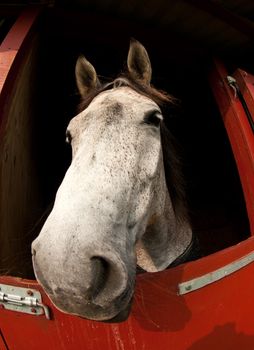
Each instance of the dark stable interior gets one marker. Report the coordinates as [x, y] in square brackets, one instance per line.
[215, 200]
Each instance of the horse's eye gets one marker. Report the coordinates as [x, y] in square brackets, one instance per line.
[68, 137]
[153, 118]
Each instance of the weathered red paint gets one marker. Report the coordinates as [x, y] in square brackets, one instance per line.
[218, 316]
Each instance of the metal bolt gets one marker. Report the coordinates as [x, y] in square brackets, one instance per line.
[33, 310]
[30, 293]
[188, 288]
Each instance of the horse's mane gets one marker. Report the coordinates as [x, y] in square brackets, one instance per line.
[172, 164]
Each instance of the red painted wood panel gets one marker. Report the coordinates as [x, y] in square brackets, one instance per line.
[239, 132]
[2, 342]
[11, 53]
[14, 40]
[245, 82]
[219, 315]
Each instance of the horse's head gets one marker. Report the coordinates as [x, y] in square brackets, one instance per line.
[112, 210]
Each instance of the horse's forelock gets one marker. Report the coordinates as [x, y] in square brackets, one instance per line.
[158, 96]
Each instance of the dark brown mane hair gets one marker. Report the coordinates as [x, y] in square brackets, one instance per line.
[172, 162]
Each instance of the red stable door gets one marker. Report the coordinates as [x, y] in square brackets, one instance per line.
[3, 345]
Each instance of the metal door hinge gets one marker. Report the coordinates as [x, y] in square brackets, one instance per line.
[22, 300]
[233, 84]
[237, 93]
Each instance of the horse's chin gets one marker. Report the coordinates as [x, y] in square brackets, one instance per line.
[121, 316]
[115, 313]
[95, 313]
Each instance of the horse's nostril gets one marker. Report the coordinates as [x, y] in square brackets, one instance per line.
[100, 273]
[108, 280]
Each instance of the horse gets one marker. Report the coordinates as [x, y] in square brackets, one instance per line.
[121, 205]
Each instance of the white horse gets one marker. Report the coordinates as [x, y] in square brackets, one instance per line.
[116, 208]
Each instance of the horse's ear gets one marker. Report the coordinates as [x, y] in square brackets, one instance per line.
[86, 77]
[138, 62]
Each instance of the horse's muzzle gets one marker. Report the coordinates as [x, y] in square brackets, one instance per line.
[100, 288]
